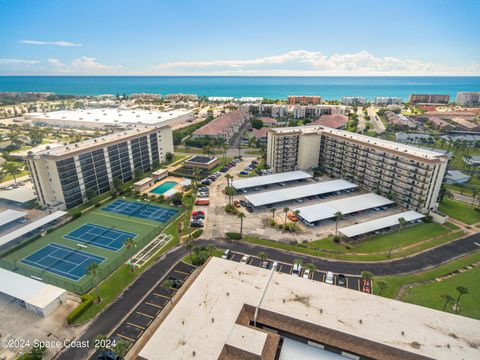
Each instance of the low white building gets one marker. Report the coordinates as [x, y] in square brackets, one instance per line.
[456, 177]
[387, 100]
[354, 100]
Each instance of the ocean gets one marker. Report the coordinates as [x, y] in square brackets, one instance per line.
[330, 88]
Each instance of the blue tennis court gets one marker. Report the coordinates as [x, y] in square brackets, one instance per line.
[101, 236]
[60, 260]
[141, 210]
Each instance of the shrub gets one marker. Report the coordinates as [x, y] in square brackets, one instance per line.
[87, 301]
[230, 209]
[336, 239]
[428, 218]
[97, 204]
[76, 213]
[197, 233]
[233, 236]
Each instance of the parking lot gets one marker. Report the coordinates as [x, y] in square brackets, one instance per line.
[140, 318]
[351, 282]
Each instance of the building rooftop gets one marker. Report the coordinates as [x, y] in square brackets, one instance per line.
[10, 215]
[209, 313]
[389, 145]
[199, 159]
[111, 116]
[348, 205]
[221, 124]
[270, 179]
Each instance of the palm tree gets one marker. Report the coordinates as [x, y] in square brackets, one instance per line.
[474, 195]
[273, 213]
[228, 177]
[367, 275]
[210, 249]
[285, 210]
[100, 342]
[121, 348]
[189, 246]
[12, 169]
[2, 175]
[401, 223]
[195, 174]
[241, 215]
[298, 262]
[225, 148]
[262, 255]
[382, 285]
[129, 244]
[311, 267]
[93, 270]
[230, 192]
[338, 217]
[448, 299]
[462, 290]
[444, 193]
[167, 285]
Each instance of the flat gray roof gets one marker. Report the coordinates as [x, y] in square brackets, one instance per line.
[379, 224]
[21, 195]
[348, 205]
[297, 192]
[30, 227]
[270, 179]
[9, 216]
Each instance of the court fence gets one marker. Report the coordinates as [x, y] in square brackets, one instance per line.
[87, 283]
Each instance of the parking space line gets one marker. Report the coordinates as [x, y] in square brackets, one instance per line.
[126, 337]
[359, 288]
[137, 326]
[346, 278]
[157, 306]
[182, 272]
[160, 295]
[151, 317]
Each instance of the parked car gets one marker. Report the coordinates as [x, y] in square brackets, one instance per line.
[202, 195]
[196, 224]
[249, 209]
[256, 189]
[291, 216]
[341, 280]
[306, 274]
[329, 278]
[297, 269]
[236, 203]
[365, 286]
[244, 259]
[265, 264]
[206, 182]
[202, 202]
[275, 265]
[203, 188]
[299, 201]
[176, 283]
[226, 254]
[243, 203]
[244, 172]
[198, 213]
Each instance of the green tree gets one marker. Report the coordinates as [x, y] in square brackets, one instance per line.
[285, 212]
[367, 275]
[447, 300]
[117, 185]
[196, 176]
[338, 217]
[382, 285]
[93, 270]
[12, 169]
[138, 173]
[401, 223]
[474, 195]
[444, 193]
[177, 199]
[167, 285]
[189, 246]
[90, 195]
[262, 255]
[130, 244]
[121, 348]
[155, 165]
[311, 267]
[169, 157]
[462, 290]
[256, 123]
[241, 216]
[273, 210]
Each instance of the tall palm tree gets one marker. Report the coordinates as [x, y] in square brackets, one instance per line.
[196, 175]
[93, 270]
[448, 299]
[129, 244]
[298, 262]
[241, 215]
[12, 169]
[121, 348]
[382, 285]
[285, 210]
[367, 275]
[262, 255]
[273, 213]
[474, 196]
[401, 223]
[462, 290]
[189, 246]
[444, 193]
[311, 267]
[338, 217]
[230, 192]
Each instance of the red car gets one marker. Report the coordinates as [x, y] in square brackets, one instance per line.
[198, 214]
[365, 286]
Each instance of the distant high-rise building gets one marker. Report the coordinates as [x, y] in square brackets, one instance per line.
[354, 100]
[468, 98]
[304, 100]
[387, 100]
[428, 99]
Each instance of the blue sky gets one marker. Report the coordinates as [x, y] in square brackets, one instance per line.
[300, 37]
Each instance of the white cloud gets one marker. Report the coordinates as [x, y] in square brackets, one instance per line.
[54, 43]
[310, 63]
[86, 64]
[18, 62]
[55, 62]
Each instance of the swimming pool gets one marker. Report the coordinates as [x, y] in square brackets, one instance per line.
[163, 188]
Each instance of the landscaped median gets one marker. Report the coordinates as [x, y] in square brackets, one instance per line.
[408, 241]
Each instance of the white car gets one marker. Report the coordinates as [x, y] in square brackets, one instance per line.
[329, 278]
[226, 254]
[297, 269]
[245, 259]
[202, 195]
[306, 274]
[274, 265]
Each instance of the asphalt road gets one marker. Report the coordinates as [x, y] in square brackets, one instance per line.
[108, 320]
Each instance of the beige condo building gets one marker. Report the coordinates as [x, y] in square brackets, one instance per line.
[411, 176]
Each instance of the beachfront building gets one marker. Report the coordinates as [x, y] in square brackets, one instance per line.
[63, 175]
[223, 127]
[354, 100]
[182, 97]
[231, 310]
[387, 100]
[147, 97]
[410, 175]
[428, 99]
[315, 111]
[304, 100]
[468, 98]
[109, 118]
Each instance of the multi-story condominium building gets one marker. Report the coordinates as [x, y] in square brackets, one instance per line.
[182, 97]
[387, 100]
[354, 100]
[304, 100]
[62, 175]
[315, 111]
[144, 96]
[273, 110]
[409, 175]
[428, 99]
[223, 127]
[468, 98]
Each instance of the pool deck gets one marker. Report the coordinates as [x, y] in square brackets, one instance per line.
[181, 183]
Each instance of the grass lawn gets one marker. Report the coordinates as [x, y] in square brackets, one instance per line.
[460, 211]
[216, 253]
[430, 295]
[373, 249]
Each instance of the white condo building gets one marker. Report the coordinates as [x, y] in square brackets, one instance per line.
[468, 98]
[387, 100]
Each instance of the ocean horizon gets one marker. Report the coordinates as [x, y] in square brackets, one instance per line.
[271, 87]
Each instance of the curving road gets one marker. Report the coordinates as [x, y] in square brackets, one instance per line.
[107, 321]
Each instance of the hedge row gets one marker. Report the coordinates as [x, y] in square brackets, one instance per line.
[234, 236]
[87, 301]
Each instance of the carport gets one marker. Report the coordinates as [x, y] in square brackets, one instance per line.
[257, 181]
[379, 224]
[314, 213]
[299, 192]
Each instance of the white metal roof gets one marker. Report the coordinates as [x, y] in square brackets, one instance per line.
[297, 192]
[31, 291]
[30, 227]
[348, 205]
[9, 215]
[270, 179]
[379, 224]
[20, 195]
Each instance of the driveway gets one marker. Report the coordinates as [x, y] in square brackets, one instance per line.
[375, 120]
